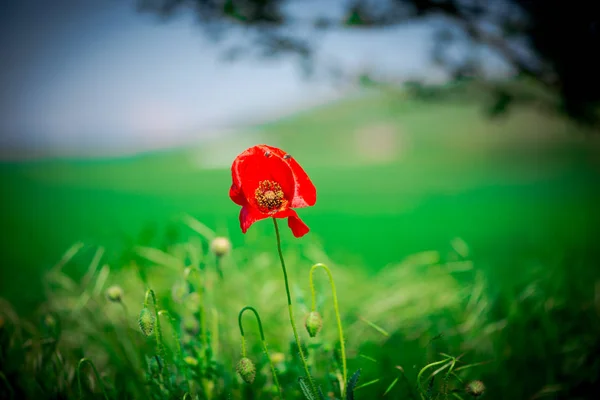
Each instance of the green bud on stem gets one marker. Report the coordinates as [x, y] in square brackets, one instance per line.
[247, 370]
[146, 321]
[313, 323]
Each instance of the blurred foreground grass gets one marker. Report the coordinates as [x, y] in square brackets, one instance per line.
[394, 179]
[538, 341]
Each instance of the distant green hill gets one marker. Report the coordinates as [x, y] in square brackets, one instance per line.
[393, 175]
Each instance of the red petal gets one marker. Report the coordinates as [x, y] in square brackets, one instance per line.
[236, 194]
[298, 227]
[249, 215]
[253, 166]
[305, 193]
[273, 150]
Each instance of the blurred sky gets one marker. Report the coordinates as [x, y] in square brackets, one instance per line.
[97, 76]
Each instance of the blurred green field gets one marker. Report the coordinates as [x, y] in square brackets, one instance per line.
[393, 177]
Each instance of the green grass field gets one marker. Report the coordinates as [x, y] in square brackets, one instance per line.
[501, 186]
[393, 177]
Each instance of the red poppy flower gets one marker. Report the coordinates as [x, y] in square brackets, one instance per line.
[267, 182]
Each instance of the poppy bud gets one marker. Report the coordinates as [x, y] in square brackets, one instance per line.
[114, 294]
[193, 302]
[220, 246]
[179, 291]
[245, 367]
[51, 325]
[313, 323]
[49, 321]
[191, 325]
[146, 321]
[475, 388]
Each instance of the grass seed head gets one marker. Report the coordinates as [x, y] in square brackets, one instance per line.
[475, 388]
[191, 326]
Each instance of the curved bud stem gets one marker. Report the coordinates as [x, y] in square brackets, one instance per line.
[291, 311]
[337, 315]
[158, 331]
[182, 364]
[100, 383]
[263, 343]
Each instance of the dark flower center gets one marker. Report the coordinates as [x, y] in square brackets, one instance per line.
[269, 196]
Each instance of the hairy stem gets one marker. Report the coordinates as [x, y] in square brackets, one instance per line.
[263, 343]
[291, 310]
[182, 363]
[100, 383]
[158, 331]
[337, 315]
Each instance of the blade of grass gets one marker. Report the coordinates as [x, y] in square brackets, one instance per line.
[199, 227]
[101, 280]
[67, 256]
[368, 358]
[374, 381]
[375, 326]
[391, 386]
[159, 257]
[472, 365]
[93, 266]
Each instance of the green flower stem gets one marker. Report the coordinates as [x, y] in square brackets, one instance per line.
[182, 364]
[203, 323]
[263, 343]
[337, 314]
[218, 267]
[158, 330]
[215, 333]
[100, 383]
[201, 289]
[291, 311]
[126, 324]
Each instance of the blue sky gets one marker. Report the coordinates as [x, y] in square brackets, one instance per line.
[84, 76]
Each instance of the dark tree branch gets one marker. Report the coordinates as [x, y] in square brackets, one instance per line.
[549, 33]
